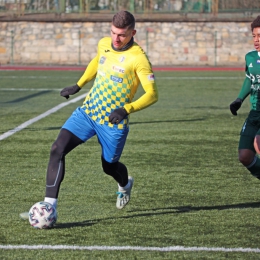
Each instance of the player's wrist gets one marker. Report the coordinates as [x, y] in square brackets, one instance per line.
[125, 110]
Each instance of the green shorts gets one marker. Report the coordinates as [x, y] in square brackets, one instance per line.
[250, 129]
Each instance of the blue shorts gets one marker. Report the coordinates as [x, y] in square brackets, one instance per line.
[111, 139]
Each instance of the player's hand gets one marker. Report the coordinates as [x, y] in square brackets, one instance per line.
[66, 92]
[234, 106]
[117, 115]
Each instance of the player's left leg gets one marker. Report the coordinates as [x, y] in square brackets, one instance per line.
[112, 141]
[125, 183]
[117, 170]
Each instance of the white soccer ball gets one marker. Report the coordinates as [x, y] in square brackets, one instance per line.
[42, 215]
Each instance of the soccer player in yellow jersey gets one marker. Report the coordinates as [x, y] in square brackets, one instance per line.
[118, 68]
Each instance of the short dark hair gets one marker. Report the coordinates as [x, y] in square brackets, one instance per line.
[255, 23]
[124, 19]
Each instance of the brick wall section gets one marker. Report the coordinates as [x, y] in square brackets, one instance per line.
[177, 43]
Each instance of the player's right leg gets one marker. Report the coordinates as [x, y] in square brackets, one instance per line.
[76, 130]
[65, 142]
[246, 150]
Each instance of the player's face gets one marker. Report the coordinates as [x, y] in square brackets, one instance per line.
[256, 38]
[120, 37]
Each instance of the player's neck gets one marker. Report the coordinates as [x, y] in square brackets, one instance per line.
[126, 47]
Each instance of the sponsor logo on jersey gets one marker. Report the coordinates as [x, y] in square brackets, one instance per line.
[252, 77]
[102, 60]
[258, 61]
[116, 79]
[151, 77]
[122, 59]
[118, 69]
[255, 87]
[255, 79]
[258, 78]
[102, 73]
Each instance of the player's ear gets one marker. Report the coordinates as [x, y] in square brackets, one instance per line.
[257, 144]
[133, 32]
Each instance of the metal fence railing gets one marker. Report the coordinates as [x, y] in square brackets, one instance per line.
[213, 7]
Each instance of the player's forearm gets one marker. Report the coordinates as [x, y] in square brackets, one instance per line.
[146, 100]
[245, 90]
[89, 73]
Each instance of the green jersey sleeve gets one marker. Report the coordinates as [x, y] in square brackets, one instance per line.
[245, 90]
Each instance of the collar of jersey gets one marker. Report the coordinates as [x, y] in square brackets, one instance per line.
[126, 47]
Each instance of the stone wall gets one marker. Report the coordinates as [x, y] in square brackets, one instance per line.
[177, 43]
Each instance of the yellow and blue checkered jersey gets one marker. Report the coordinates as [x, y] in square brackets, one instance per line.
[117, 77]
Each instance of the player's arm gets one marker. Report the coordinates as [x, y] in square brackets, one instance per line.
[146, 77]
[88, 75]
[147, 99]
[244, 92]
[147, 80]
[246, 88]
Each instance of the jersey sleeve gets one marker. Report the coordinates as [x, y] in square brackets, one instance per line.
[246, 87]
[89, 73]
[145, 74]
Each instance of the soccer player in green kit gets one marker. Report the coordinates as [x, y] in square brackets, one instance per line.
[118, 68]
[249, 143]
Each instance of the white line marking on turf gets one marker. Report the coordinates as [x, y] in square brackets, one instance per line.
[37, 118]
[34, 77]
[30, 89]
[132, 248]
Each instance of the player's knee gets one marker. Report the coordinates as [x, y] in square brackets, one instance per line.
[109, 168]
[246, 157]
[57, 150]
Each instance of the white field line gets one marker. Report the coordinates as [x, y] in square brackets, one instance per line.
[30, 89]
[37, 118]
[130, 248]
[34, 77]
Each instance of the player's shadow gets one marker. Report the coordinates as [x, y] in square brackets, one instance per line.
[158, 211]
[43, 128]
[167, 121]
[29, 96]
[188, 208]
[54, 128]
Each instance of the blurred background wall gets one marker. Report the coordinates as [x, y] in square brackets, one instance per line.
[195, 44]
[172, 32]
